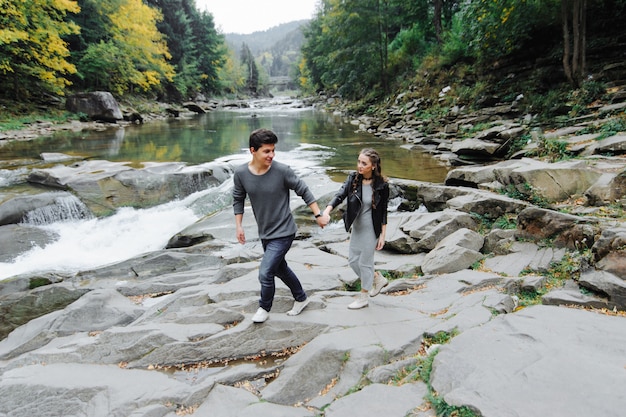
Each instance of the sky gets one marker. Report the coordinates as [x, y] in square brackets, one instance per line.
[247, 16]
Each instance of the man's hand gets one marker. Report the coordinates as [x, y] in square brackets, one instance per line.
[241, 236]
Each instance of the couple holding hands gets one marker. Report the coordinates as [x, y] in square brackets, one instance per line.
[267, 183]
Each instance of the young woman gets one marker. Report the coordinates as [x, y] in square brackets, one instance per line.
[367, 192]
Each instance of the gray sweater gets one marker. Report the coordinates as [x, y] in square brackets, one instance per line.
[269, 197]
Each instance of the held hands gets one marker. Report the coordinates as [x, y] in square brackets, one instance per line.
[323, 220]
[325, 217]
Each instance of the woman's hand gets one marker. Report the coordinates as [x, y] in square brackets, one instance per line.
[322, 221]
[381, 242]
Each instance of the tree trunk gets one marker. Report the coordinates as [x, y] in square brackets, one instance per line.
[383, 42]
[438, 8]
[574, 39]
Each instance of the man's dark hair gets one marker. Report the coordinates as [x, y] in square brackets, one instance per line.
[261, 137]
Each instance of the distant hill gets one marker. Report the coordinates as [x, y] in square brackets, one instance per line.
[276, 49]
[264, 40]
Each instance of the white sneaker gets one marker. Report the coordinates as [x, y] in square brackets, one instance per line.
[260, 316]
[380, 282]
[297, 308]
[359, 302]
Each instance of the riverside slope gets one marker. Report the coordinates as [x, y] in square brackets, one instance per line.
[170, 333]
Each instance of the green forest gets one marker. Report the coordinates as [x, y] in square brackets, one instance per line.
[360, 50]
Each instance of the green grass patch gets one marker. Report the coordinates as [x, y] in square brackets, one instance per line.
[554, 150]
[442, 408]
[355, 286]
[10, 121]
[609, 128]
[486, 224]
[569, 267]
[527, 193]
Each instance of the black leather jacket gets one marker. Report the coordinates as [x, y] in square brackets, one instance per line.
[354, 195]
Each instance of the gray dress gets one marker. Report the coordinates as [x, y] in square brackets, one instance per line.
[363, 241]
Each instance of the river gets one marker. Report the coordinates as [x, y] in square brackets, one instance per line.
[307, 138]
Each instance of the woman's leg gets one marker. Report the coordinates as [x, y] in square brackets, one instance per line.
[362, 263]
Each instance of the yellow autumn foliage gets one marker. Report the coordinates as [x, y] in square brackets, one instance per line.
[135, 31]
[31, 43]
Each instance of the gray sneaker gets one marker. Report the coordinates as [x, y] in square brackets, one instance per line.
[380, 282]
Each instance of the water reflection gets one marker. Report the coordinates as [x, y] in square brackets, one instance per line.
[204, 138]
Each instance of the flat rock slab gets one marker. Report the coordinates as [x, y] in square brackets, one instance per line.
[524, 256]
[541, 361]
[392, 401]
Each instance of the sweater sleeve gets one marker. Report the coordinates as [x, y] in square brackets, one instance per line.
[239, 194]
[296, 184]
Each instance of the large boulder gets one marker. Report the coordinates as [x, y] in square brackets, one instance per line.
[420, 232]
[610, 188]
[98, 105]
[615, 145]
[92, 312]
[566, 230]
[600, 180]
[609, 251]
[606, 284]
[105, 186]
[454, 253]
[555, 182]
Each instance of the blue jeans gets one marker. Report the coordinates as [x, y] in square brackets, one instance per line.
[273, 265]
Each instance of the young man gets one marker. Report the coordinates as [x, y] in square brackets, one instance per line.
[267, 183]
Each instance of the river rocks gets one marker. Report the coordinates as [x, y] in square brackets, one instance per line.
[415, 232]
[609, 189]
[42, 208]
[26, 299]
[490, 133]
[609, 251]
[170, 331]
[523, 256]
[600, 180]
[566, 230]
[610, 285]
[457, 251]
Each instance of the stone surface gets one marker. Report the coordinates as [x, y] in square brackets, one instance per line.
[170, 333]
[490, 368]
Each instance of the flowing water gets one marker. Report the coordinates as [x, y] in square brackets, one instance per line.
[307, 138]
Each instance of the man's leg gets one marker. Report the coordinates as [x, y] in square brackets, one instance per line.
[287, 275]
[273, 264]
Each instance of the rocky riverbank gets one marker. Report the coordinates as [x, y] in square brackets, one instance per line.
[507, 296]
